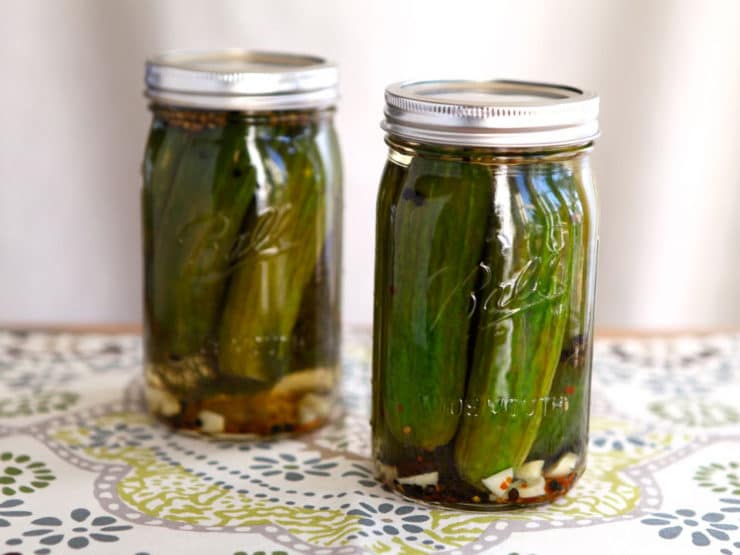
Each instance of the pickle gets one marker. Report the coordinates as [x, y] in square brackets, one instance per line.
[520, 332]
[386, 449]
[195, 222]
[315, 338]
[282, 243]
[151, 162]
[434, 241]
[565, 423]
[161, 158]
[165, 147]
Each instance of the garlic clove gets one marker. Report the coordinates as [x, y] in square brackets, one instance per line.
[161, 402]
[305, 381]
[564, 466]
[211, 422]
[530, 488]
[423, 480]
[531, 470]
[313, 407]
[498, 484]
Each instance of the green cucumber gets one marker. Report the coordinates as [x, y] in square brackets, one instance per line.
[564, 426]
[385, 447]
[282, 243]
[165, 148]
[433, 242]
[195, 222]
[316, 338]
[521, 325]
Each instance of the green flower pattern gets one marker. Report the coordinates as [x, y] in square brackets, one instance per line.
[20, 474]
[37, 404]
[317, 494]
[696, 413]
[720, 477]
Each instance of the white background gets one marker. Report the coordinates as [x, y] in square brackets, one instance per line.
[73, 125]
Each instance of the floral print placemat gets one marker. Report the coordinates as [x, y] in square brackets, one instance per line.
[84, 468]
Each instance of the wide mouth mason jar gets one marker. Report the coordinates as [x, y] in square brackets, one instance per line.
[484, 292]
[241, 206]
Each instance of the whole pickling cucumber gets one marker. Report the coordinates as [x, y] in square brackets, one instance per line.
[283, 240]
[168, 142]
[316, 335]
[564, 426]
[520, 329]
[435, 239]
[392, 181]
[195, 222]
[161, 158]
[164, 148]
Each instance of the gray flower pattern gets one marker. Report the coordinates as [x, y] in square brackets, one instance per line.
[612, 440]
[120, 435]
[77, 534]
[9, 509]
[37, 362]
[364, 474]
[701, 529]
[407, 522]
[684, 370]
[290, 467]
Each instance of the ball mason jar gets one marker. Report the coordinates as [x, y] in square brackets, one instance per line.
[484, 292]
[241, 209]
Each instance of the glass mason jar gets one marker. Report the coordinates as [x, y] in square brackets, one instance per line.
[241, 207]
[484, 292]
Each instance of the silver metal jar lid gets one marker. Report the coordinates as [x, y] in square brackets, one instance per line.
[241, 80]
[491, 113]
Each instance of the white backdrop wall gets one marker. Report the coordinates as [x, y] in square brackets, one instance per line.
[74, 123]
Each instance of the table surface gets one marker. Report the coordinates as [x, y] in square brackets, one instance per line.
[84, 468]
